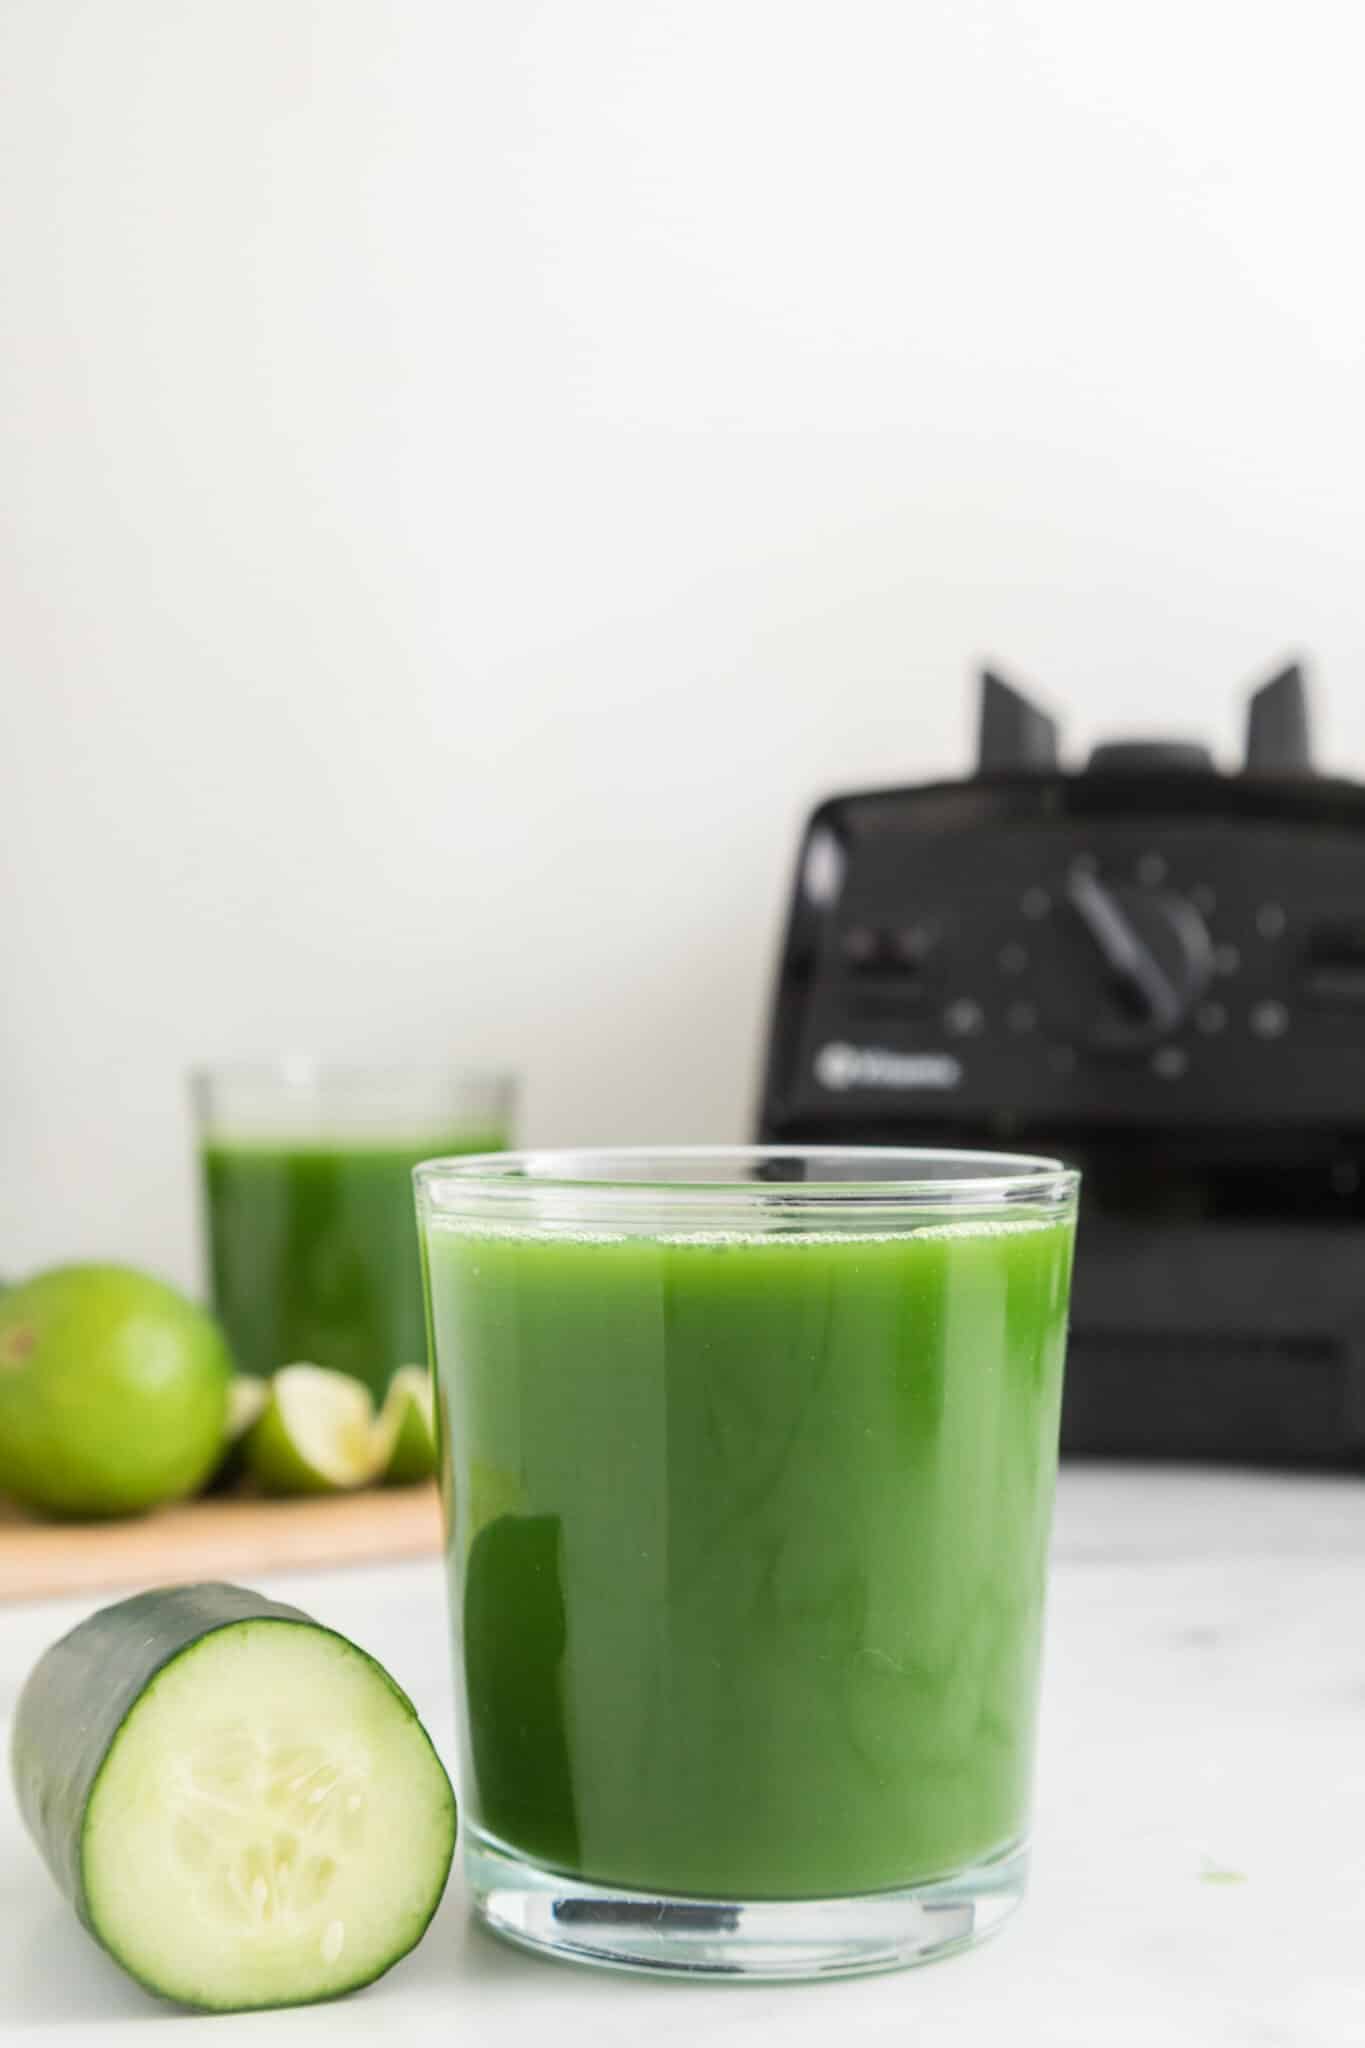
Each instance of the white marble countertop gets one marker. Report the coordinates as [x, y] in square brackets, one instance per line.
[1199, 1873]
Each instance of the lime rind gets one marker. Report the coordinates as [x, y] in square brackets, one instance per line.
[113, 1392]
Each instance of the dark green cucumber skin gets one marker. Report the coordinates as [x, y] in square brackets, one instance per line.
[79, 1694]
[81, 1691]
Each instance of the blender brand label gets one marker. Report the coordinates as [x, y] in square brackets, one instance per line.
[839, 1066]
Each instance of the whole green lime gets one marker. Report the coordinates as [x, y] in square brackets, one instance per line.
[113, 1392]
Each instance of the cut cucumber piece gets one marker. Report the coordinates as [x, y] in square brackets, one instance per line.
[407, 1428]
[316, 1433]
[242, 1807]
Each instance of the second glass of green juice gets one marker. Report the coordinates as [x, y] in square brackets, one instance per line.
[307, 1184]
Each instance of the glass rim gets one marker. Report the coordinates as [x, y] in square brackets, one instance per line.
[548, 1183]
[301, 1069]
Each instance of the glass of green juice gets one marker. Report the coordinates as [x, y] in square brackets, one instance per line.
[306, 1170]
[748, 1460]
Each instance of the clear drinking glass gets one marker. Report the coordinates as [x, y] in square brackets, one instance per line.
[307, 1178]
[748, 1461]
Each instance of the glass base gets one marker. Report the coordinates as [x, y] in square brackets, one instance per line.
[764, 1939]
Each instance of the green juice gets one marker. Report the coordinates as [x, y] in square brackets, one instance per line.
[747, 1547]
[313, 1252]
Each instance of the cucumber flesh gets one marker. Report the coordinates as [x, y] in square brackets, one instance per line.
[268, 1824]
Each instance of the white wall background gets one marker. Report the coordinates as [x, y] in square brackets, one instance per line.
[472, 475]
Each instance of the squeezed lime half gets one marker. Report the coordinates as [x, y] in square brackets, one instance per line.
[407, 1429]
[316, 1433]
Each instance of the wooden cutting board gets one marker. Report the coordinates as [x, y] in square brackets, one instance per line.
[228, 1537]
